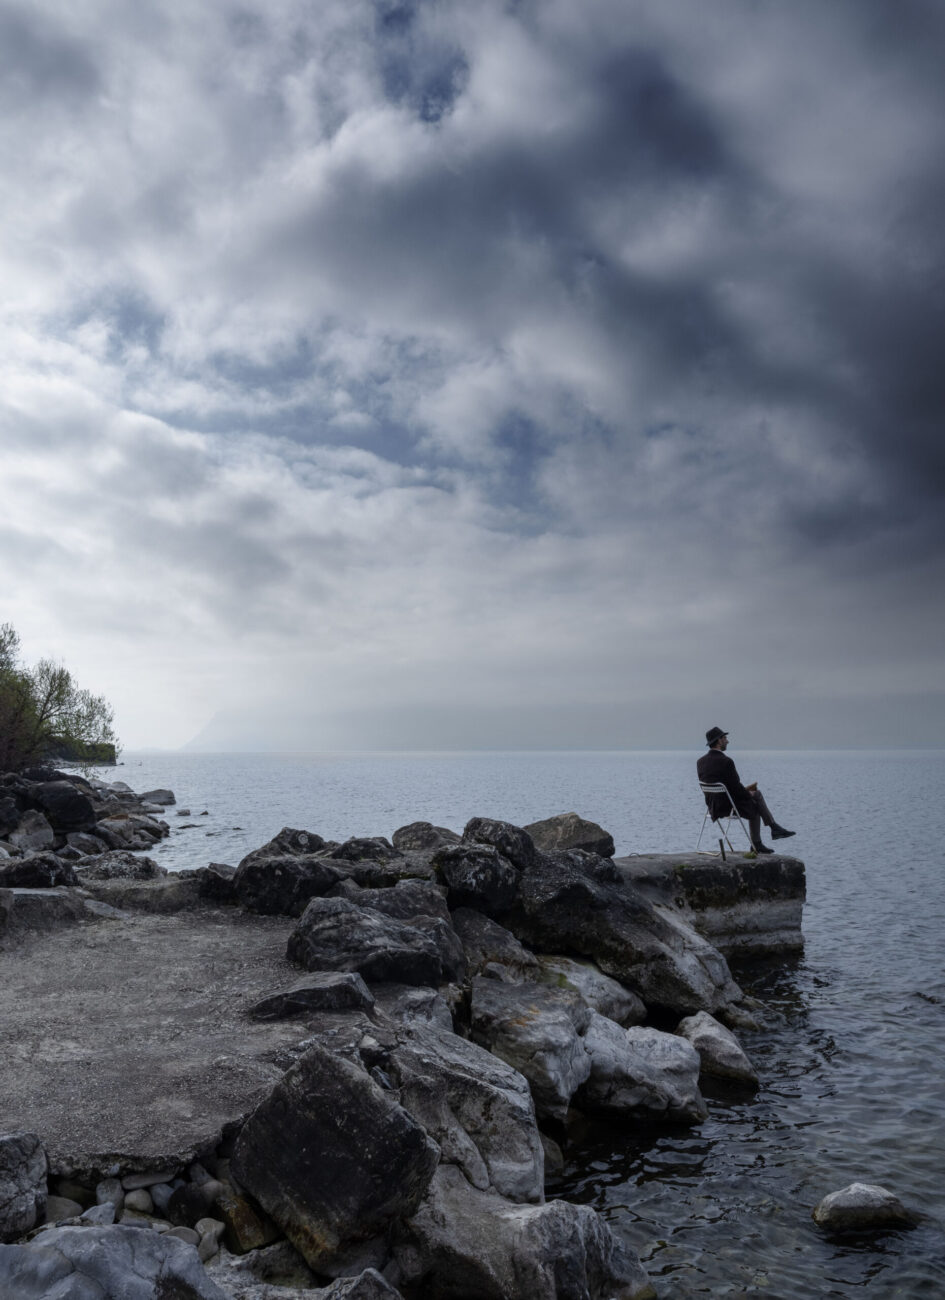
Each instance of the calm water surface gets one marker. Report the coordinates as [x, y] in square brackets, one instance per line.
[852, 1050]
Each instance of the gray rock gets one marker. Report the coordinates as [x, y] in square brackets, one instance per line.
[62, 1207]
[120, 864]
[422, 905]
[23, 910]
[87, 845]
[163, 896]
[471, 1244]
[486, 944]
[320, 991]
[411, 1003]
[217, 882]
[334, 934]
[569, 831]
[579, 904]
[66, 807]
[862, 1207]
[537, 1030]
[99, 1215]
[641, 1073]
[369, 1285]
[282, 885]
[37, 871]
[373, 848]
[605, 995]
[511, 841]
[419, 837]
[162, 797]
[85, 1262]
[22, 1184]
[211, 1233]
[477, 1109]
[720, 1054]
[147, 1178]
[33, 833]
[110, 1192]
[139, 1199]
[374, 1161]
[477, 876]
[188, 1235]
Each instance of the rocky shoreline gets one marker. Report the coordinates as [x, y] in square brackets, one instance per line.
[342, 1069]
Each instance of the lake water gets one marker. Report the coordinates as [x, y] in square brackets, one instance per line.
[852, 1050]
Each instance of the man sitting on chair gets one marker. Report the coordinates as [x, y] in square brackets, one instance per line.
[715, 767]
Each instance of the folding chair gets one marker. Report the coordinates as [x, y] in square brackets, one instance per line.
[717, 787]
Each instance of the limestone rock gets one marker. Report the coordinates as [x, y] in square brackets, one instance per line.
[477, 876]
[41, 909]
[569, 831]
[319, 991]
[862, 1207]
[331, 1157]
[104, 1261]
[287, 844]
[36, 871]
[641, 1073]
[282, 885]
[419, 837]
[488, 944]
[605, 995]
[164, 895]
[511, 841]
[578, 904]
[22, 1184]
[474, 1245]
[477, 1108]
[537, 1030]
[372, 848]
[335, 934]
[33, 833]
[720, 1054]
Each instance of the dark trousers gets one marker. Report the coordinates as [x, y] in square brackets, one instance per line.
[758, 812]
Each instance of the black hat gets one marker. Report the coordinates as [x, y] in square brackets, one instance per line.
[714, 734]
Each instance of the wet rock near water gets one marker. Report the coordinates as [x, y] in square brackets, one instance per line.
[862, 1207]
[569, 831]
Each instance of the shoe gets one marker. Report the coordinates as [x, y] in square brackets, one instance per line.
[762, 848]
[779, 833]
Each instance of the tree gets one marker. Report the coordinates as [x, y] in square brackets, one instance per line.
[44, 714]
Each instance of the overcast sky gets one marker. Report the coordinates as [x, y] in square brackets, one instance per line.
[453, 373]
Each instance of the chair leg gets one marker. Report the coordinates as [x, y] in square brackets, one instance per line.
[702, 832]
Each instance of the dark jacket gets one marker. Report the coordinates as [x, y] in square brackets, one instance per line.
[715, 766]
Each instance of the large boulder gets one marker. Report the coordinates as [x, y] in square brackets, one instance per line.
[599, 991]
[163, 797]
[477, 876]
[641, 1073]
[336, 934]
[289, 843]
[22, 1183]
[476, 1107]
[579, 904]
[120, 864]
[33, 833]
[66, 807]
[107, 1262]
[369, 848]
[36, 871]
[282, 886]
[720, 1053]
[418, 903]
[473, 1245]
[537, 1030]
[332, 1157]
[511, 841]
[569, 831]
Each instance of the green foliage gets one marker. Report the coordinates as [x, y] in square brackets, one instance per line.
[44, 714]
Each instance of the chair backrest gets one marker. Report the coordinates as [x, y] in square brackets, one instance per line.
[713, 787]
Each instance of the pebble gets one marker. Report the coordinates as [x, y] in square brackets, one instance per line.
[210, 1230]
[139, 1199]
